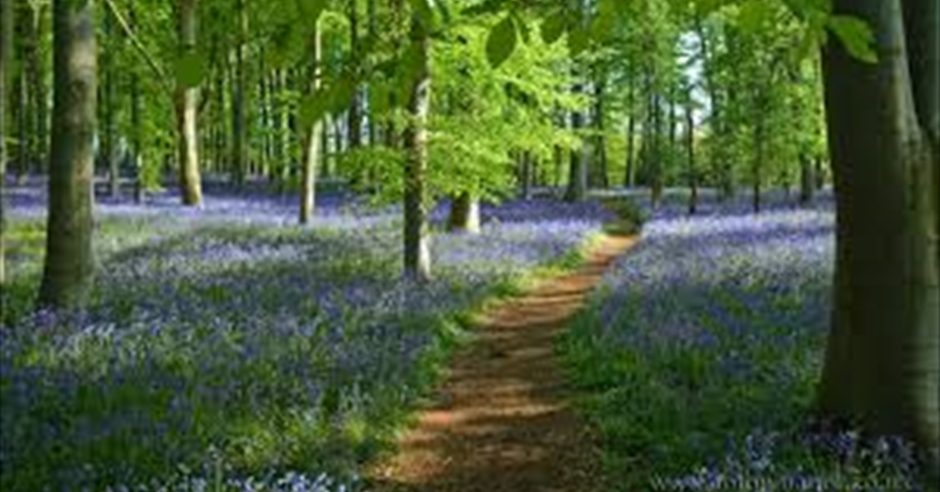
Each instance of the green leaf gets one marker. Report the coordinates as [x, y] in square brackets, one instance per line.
[752, 15]
[704, 8]
[424, 10]
[313, 107]
[554, 26]
[578, 40]
[311, 9]
[604, 24]
[189, 69]
[856, 36]
[501, 42]
[342, 93]
[379, 98]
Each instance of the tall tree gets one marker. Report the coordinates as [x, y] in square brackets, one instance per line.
[417, 249]
[239, 103]
[311, 135]
[187, 104]
[355, 107]
[882, 366]
[108, 68]
[6, 45]
[629, 175]
[69, 263]
[690, 151]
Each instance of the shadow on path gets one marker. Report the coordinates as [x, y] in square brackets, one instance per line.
[502, 421]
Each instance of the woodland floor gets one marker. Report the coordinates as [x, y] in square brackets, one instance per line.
[503, 420]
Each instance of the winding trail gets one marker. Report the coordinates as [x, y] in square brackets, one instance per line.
[503, 421]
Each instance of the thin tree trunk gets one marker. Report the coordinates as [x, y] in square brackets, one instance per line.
[38, 114]
[578, 169]
[758, 162]
[6, 46]
[807, 179]
[22, 130]
[239, 124]
[525, 175]
[882, 365]
[690, 155]
[69, 263]
[372, 14]
[355, 107]
[464, 213]
[311, 140]
[417, 254]
[629, 176]
[108, 140]
[655, 152]
[137, 121]
[599, 165]
[187, 99]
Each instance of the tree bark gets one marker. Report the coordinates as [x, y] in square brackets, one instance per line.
[690, 155]
[882, 366]
[629, 175]
[187, 99]
[137, 121]
[464, 214]
[417, 254]
[37, 115]
[578, 169]
[69, 263]
[108, 138]
[355, 107]
[599, 165]
[312, 140]
[240, 82]
[807, 179]
[6, 45]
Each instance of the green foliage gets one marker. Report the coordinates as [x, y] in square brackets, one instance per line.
[501, 42]
[855, 35]
[190, 70]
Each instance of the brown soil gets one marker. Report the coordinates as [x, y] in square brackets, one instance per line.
[503, 420]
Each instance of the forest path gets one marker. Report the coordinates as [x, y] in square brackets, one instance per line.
[503, 420]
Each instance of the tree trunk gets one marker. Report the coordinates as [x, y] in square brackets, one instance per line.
[22, 126]
[187, 99]
[629, 176]
[882, 366]
[417, 248]
[69, 263]
[599, 166]
[6, 45]
[655, 152]
[108, 132]
[807, 179]
[311, 143]
[137, 121]
[37, 115]
[239, 124]
[690, 155]
[578, 169]
[372, 14]
[464, 214]
[525, 161]
[757, 167]
[355, 107]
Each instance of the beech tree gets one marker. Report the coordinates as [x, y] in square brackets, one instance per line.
[187, 104]
[6, 42]
[69, 263]
[882, 367]
[417, 249]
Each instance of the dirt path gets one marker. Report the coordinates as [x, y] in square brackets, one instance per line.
[502, 422]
